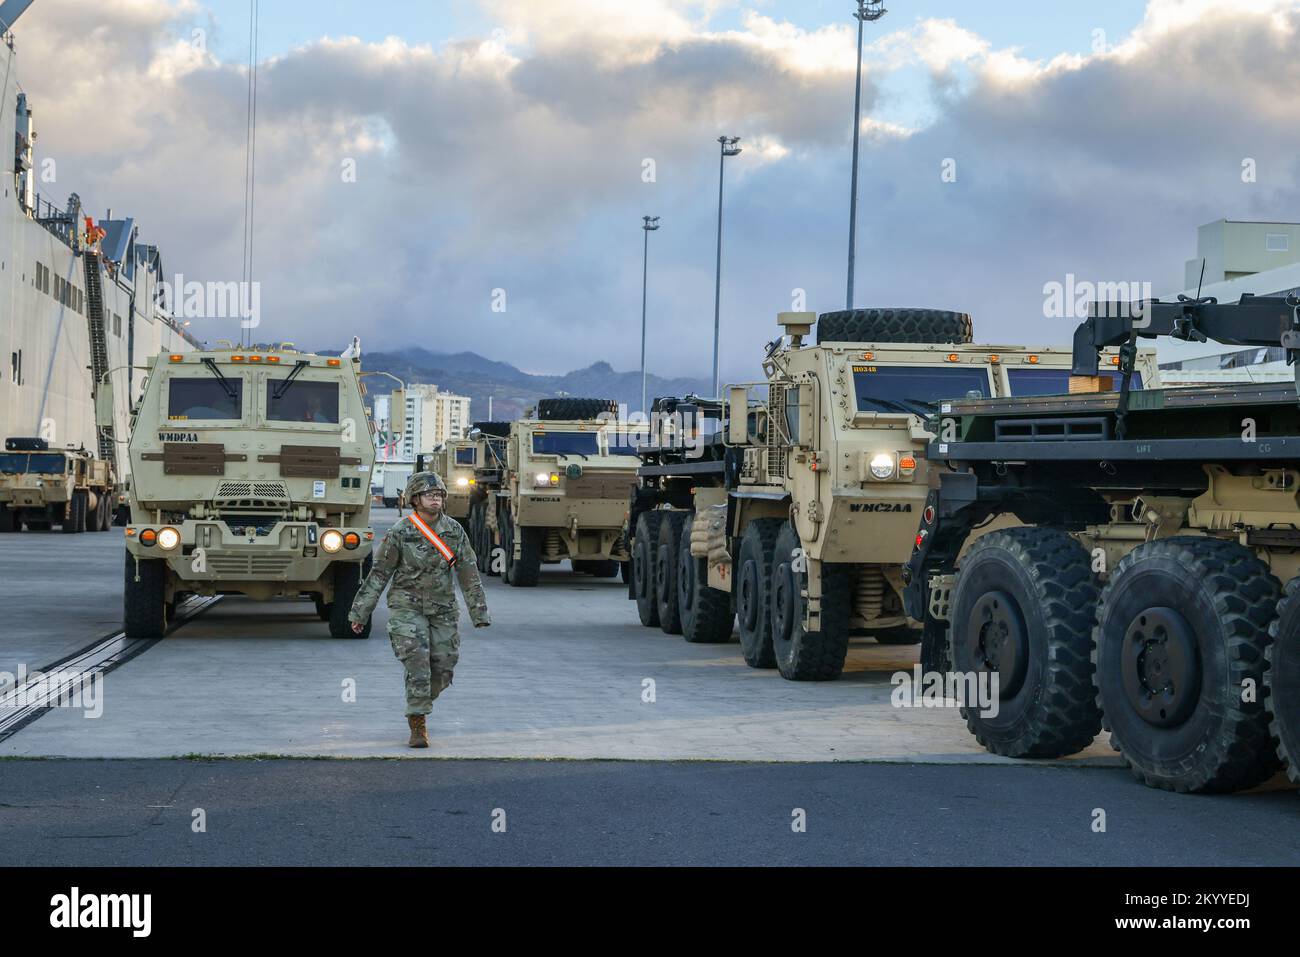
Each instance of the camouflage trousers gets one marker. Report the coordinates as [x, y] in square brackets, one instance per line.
[428, 648]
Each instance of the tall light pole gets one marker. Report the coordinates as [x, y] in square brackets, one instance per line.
[649, 224]
[867, 10]
[728, 148]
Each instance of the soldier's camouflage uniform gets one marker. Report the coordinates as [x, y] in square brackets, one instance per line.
[422, 611]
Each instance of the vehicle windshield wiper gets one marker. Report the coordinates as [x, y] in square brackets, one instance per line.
[225, 383]
[278, 392]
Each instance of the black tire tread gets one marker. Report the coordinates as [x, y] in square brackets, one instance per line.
[766, 531]
[1246, 605]
[1069, 717]
[894, 325]
[713, 620]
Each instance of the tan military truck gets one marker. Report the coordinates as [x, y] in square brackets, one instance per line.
[489, 440]
[41, 487]
[1151, 589]
[455, 461]
[565, 491]
[250, 475]
[794, 504]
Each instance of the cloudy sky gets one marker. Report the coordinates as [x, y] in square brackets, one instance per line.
[503, 145]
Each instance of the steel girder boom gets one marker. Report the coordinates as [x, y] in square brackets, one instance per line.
[1253, 321]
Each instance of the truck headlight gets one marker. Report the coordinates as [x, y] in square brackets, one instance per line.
[462, 482]
[547, 479]
[882, 465]
[168, 538]
[331, 541]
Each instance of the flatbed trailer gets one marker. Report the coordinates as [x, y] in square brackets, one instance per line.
[1153, 588]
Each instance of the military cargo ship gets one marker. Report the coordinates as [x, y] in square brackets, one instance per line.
[81, 298]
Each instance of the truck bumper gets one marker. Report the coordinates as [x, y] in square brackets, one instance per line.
[211, 558]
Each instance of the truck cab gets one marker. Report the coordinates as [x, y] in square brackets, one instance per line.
[250, 475]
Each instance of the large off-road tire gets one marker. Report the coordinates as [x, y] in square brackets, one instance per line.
[498, 429]
[74, 522]
[1023, 609]
[8, 522]
[894, 325]
[670, 541]
[706, 612]
[567, 409]
[803, 655]
[1283, 679]
[347, 580]
[754, 591]
[1180, 636]
[645, 546]
[144, 602]
[323, 607]
[603, 568]
[526, 570]
[902, 635]
[98, 519]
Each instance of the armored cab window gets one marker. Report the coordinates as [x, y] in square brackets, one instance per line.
[621, 443]
[205, 399]
[48, 464]
[466, 456]
[301, 401]
[1056, 381]
[565, 443]
[915, 389]
[13, 463]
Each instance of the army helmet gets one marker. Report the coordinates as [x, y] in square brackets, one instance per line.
[422, 482]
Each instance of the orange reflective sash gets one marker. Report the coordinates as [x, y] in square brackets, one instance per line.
[433, 538]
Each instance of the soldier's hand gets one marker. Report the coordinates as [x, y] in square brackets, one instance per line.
[358, 628]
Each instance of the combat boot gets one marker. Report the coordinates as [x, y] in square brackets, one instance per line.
[419, 734]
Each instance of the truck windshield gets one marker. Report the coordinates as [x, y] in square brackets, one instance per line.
[304, 402]
[205, 399]
[915, 389]
[17, 463]
[565, 443]
[466, 456]
[1056, 381]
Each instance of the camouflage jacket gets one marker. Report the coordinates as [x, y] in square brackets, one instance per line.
[422, 579]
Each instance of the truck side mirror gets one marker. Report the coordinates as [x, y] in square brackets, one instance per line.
[738, 415]
[104, 417]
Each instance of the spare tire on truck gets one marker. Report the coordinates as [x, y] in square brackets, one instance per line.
[499, 429]
[894, 325]
[574, 409]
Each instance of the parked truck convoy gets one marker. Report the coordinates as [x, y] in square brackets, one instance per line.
[561, 493]
[1152, 587]
[250, 475]
[792, 513]
[41, 487]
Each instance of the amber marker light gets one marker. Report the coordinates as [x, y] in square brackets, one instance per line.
[333, 363]
[953, 357]
[148, 536]
[175, 358]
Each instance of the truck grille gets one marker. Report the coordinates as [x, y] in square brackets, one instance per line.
[248, 566]
[242, 490]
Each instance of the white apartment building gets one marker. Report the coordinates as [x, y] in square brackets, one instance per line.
[432, 418]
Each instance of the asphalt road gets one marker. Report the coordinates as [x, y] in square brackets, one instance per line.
[368, 812]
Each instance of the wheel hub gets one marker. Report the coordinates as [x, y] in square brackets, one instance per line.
[1001, 640]
[1160, 666]
[783, 603]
